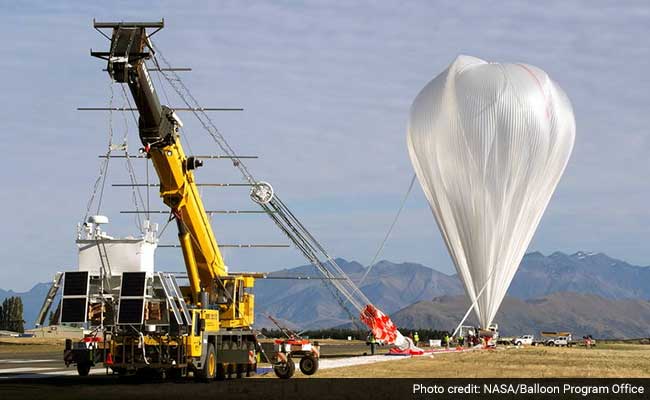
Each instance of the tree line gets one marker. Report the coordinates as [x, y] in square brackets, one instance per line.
[344, 333]
[11, 315]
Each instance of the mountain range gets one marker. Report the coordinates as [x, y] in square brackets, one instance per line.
[579, 313]
[394, 287]
[559, 291]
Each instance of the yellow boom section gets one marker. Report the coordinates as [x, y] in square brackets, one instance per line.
[229, 296]
[179, 191]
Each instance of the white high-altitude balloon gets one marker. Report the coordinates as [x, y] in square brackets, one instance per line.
[489, 143]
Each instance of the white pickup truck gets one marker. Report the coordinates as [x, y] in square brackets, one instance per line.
[560, 341]
[525, 339]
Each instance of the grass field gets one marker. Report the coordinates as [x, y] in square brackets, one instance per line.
[30, 345]
[610, 360]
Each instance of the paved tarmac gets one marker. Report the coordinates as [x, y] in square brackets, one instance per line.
[43, 375]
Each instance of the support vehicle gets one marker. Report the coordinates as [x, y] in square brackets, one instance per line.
[523, 340]
[557, 339]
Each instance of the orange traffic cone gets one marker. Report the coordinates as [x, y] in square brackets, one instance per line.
[109, 359]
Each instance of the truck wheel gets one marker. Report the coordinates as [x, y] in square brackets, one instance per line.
[83, 369]
[209, 370]
[309, 365]
[518, 343]
[286, 370]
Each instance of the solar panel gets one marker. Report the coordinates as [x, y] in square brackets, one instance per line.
[74, 310]
[133, 284]
[131, 311]
[131, 304]
[74, 305]
[75, 284]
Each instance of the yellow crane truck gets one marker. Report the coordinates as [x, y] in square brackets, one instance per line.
[144, 322]
[204, 328]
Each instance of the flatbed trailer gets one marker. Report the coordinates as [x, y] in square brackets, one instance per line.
[281, 354]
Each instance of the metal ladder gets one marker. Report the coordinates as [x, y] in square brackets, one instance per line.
[49, 299]
[180, 299]
[103, 259]
[175, 299]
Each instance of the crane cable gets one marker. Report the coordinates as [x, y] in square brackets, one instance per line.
[275, 208]
[98, 187]
[390, 229]
[485, 285]
[135, 189]
[186, 96]
[100, 182]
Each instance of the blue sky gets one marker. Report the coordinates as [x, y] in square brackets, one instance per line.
[326, 89]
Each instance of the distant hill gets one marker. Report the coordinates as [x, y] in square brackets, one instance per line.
[32, 301]
[308, 304]
[578, 313]
[392, 286]
[395, 286]
[581, 272]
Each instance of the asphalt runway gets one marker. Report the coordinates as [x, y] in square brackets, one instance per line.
[40, 365]
[32, 365]
[43, 375]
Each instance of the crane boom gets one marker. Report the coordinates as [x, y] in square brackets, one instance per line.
[158, 127]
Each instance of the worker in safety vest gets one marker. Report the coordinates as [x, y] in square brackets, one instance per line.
[416, 338]
[372, 342]
[447, 340]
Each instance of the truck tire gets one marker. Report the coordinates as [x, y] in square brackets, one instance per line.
[518, 343]
[309, 365]
[285, 370]
[209, 370]
[83, 369]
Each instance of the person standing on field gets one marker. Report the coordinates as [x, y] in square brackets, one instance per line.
[372, 342]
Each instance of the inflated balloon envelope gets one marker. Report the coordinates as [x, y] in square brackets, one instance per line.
[489, 143]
